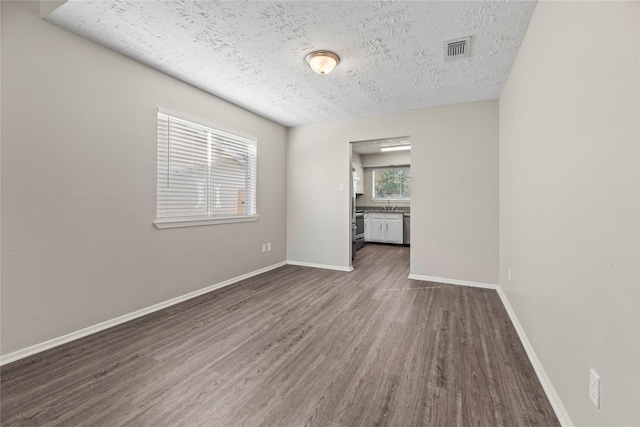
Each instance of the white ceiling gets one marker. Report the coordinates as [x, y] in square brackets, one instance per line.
[252, 53]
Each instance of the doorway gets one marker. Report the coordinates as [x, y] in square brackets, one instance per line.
[380, 193]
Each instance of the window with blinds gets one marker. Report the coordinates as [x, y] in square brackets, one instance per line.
[204, 175]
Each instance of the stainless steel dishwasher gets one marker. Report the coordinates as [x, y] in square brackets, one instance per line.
[406, 229]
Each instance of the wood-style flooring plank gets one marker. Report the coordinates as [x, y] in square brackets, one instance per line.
[295, 346]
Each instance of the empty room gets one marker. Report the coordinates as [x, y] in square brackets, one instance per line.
[316, 213]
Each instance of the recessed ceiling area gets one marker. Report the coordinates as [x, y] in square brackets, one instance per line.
[253, 53]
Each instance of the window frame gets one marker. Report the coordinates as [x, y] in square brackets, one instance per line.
[373, 185]
[162, 222]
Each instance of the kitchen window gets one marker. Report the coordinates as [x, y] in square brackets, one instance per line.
[204, 175]
[392, 183]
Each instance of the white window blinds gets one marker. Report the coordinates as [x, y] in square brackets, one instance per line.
[203, 173]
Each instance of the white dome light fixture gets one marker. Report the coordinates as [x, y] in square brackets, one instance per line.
[322, 61]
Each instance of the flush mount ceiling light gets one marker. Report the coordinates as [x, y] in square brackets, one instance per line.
[395, 148]
[322, 61]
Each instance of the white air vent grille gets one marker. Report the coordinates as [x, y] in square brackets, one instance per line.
[456, 49]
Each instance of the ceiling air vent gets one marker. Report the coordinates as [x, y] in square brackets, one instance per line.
[456, 49]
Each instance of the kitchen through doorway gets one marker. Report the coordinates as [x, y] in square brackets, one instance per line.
[380, 193]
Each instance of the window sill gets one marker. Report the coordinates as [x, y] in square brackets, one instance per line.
[374, 200]
[173, 223]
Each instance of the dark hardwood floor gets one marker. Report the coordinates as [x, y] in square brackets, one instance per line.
[295, 346]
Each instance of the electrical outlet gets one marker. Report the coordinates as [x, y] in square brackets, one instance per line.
[264, 247]
[594, 388]
[269, 247]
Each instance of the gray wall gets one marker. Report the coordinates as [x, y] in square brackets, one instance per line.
[78, 187]
[454, 203]
[400, 158]
[569, 198]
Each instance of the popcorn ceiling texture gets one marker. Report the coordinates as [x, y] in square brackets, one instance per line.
[252, 53]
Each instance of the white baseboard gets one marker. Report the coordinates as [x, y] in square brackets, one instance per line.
[324, 266]
[544, 379]
[34, 349]
[452, 281]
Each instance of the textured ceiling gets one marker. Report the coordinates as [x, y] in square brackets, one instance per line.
[252, 53]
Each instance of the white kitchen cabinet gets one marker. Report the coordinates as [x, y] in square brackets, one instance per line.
[377, 228]
[393, 231]
[383, 228]
[367, 228]
[358, 178]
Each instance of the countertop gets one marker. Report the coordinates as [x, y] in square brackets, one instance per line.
[385, 211]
